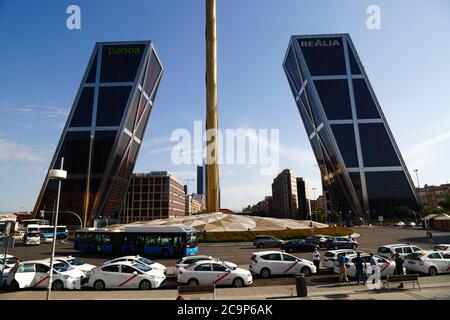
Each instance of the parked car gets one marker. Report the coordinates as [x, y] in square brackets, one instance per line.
[138, 259]
[267, 263]
[411, 224]
[386, 267]
[126, 275]
[32, 238]
[267, 242]
[329, 257]
[428, 262]
[341, 243]
[358, 221]
[399, 224]
[318, 239]
[10, 261]
[19, 235]
[207, 272]
[442, 247]
[188, 260]
[76, 263]
[389, 251]
[298, 245]
[35, 274]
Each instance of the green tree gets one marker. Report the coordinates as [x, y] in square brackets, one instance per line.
[446, 202]
[431, 210]
[402, 213]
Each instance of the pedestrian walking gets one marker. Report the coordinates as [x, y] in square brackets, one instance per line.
[398, 267]
[373, 265]
[430, 236]
[342, 269]
[360, 265]
[349, 237]
[12, 271]
[316, 258]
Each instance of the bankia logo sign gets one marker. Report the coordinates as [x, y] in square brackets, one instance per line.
[124, 50]
[314, 43]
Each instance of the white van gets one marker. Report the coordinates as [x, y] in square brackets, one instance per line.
[32, 238]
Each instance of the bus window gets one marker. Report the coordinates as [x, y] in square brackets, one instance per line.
[166, 240]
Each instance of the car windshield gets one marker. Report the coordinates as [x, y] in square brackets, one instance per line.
[230, 266]
[141, 267]
[76, 262]
[440, 248]
[61, 267]
[145, 261]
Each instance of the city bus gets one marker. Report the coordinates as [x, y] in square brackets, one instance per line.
[166, 241]
[47, 231]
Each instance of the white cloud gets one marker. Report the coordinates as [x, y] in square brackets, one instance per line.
[46, 111]
[9, 150]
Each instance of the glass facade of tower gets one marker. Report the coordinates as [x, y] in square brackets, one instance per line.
[360, 163]
[104, 131]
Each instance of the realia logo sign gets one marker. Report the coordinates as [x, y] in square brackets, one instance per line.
[313, 43]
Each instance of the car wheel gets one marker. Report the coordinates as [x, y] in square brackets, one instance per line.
[238, 282]
[99, 285]
[15, 286]
[306, 271]
[57, 285]
[265, 273]
[193, 282]
[145, 285]
[432, 271]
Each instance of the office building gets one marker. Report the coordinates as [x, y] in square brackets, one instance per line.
[103, 133]
[154, 195]
[304, 198]
[284, 193]
[360, 163]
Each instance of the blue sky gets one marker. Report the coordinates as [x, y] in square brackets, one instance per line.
[42, 63]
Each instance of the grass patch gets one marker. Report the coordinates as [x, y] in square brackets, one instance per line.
[249, 236]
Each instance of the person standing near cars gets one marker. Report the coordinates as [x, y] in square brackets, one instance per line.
[316, 258]
[342, 270]
[373, 265]
[359, 265]
[13, 271]
[398, 267]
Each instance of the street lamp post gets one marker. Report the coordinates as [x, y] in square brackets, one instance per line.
[55, 174]
[314, 196]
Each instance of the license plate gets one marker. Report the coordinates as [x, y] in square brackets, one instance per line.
[411, 262]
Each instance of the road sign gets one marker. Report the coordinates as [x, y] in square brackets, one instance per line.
[380, 218]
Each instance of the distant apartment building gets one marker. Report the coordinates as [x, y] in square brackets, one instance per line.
[317, 204]
[263, 206]
[284, 193]
[304, 198]
[432, 195]
[154, 195]
[195, 203]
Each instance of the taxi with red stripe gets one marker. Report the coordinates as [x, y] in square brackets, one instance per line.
[267, 263]
[210, 272]
[35, 274]
[126, 275]
[386, 267]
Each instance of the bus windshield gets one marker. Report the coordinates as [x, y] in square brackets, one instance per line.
[191, 238]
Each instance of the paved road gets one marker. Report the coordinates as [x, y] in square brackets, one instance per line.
[370, 239]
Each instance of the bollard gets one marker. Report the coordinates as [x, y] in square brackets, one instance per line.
[300, 284]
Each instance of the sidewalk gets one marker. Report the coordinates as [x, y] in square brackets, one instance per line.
[432, 288]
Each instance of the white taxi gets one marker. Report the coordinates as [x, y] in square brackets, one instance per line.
[75, 263]
[126, 275]
[10, 261]
[386, 267]
[208, 272]
[139, 259]
[267, 263]
[428, 262]
[35, 274]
